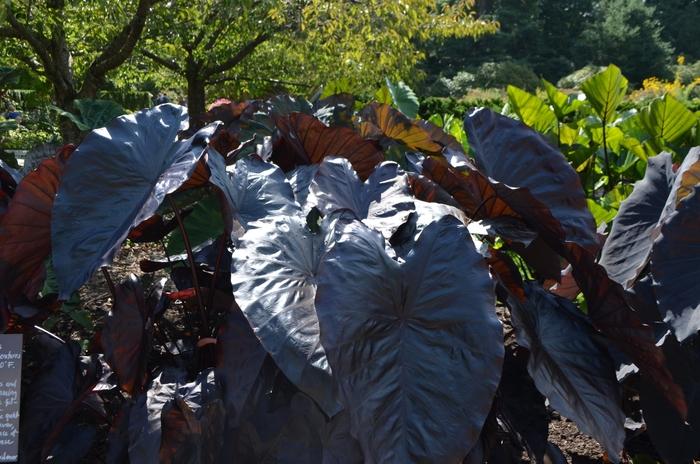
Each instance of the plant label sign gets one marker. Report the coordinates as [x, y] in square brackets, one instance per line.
[10, 383]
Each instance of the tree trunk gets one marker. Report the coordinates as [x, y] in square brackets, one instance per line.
[64, 100]
[196, 98]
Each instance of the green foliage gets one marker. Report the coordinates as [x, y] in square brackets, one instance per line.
[667, 121]
[500, 74]
[92, 114]
[605, 91]
[531, 110]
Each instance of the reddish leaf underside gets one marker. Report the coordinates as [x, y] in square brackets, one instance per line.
[25, 230]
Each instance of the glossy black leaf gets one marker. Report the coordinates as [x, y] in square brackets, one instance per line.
[382, 202]
[575, 374]
[513, 154]
[402, 338]
[274, 281]
[115, 180]
[629, 243]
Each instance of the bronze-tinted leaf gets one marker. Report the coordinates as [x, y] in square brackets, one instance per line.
[378, 120]
[25, 230]
[306, 140]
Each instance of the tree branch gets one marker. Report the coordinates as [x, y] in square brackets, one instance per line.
[42, 47]
[167, 63]
[238, 57]
[120, 47]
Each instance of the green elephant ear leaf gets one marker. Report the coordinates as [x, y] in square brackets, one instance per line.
[667, 119]
[605, 91]
[562, 104]
[404, 98]
[531, 109]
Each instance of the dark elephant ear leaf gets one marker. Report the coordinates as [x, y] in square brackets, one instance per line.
[378, 120]
[126, 337]
[401, 338]
[576, 375]
[115, 180]
[306, 140]
[511, 153]
[675, 260]
[611, 314]
[627, 248]
[274, 281]
[25, 230]
[382, 201]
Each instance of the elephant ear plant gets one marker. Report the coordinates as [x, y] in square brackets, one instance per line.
[329, 286]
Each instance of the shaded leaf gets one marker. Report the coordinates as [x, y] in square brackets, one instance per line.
[239, 359]
[676, 440]
[51, 393]
[399, 339]
[126, 336]
[512, 154]
[574, 373]
[96, 208]
[274, 281]
[675, 257]
[335, 110]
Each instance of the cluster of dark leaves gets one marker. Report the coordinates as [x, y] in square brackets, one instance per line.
[335, 275]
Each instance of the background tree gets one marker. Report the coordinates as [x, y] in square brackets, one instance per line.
[315, 41]
[627, 33]
[74, 45]
[680, 19]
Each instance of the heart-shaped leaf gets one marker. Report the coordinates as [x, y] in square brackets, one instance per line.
[401, 341]
[115, 180]
[274, 281]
